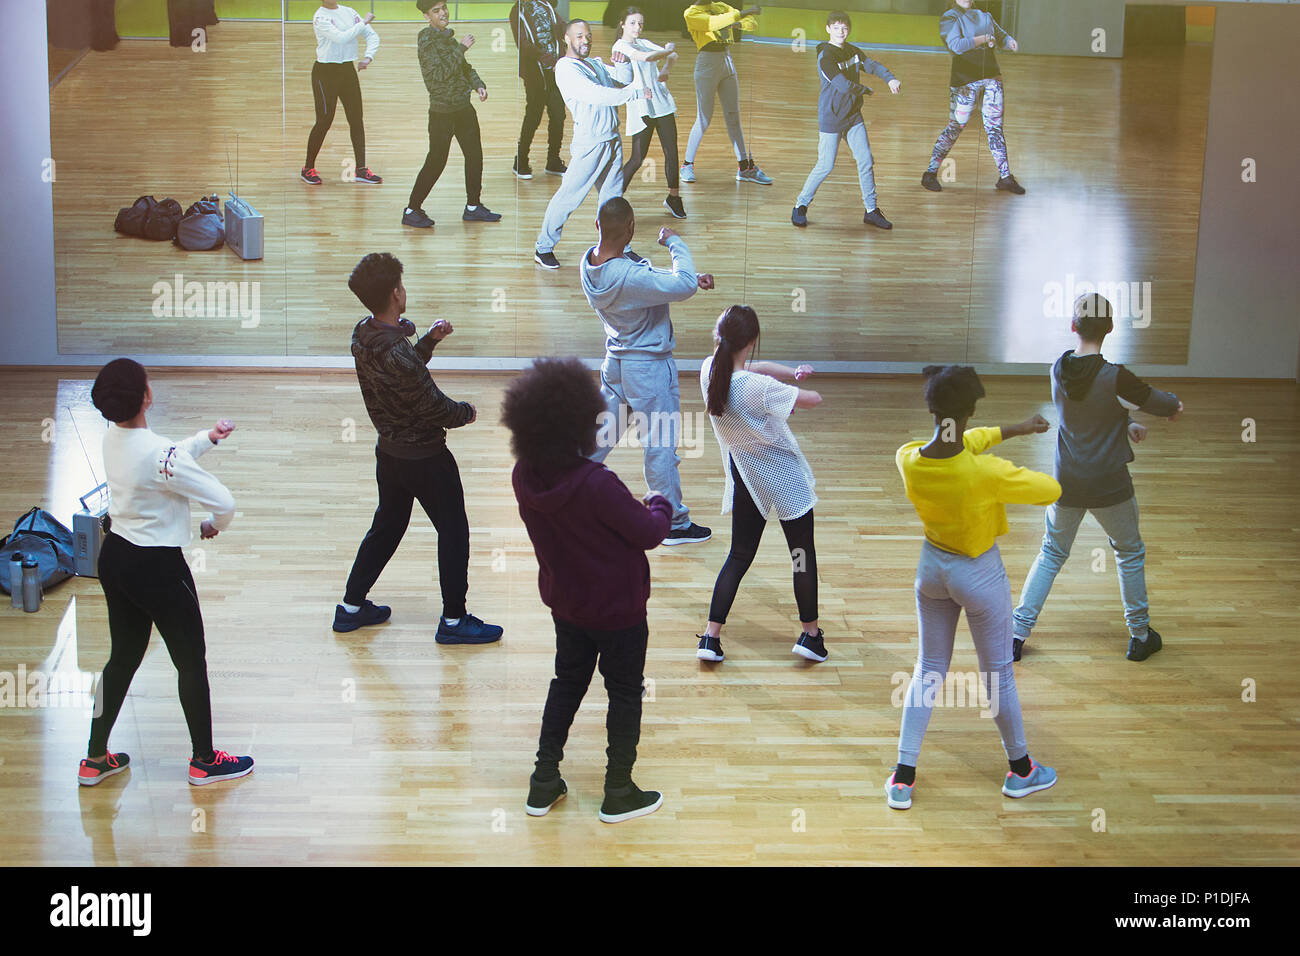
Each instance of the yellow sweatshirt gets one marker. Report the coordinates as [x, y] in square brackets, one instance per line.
[706, 20]
[960, 499]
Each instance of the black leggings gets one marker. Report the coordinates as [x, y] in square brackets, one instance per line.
[144, 587]
[463, 125]
[667, 127]
[331, 82]
[746, 531]
[541, 93]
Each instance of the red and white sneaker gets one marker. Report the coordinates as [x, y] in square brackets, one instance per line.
[92, 772]
[367, 176]
[224, 766]
[310, 176]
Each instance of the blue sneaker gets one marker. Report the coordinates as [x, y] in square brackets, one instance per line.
[898, 795]
[468, 630]
[369, 613]
[224, 766]
[1040, 778]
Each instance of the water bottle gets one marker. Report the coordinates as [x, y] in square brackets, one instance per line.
[31, 586]
[16, 579]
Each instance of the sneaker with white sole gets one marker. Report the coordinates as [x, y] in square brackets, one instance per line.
[691, 534]
[753, 175]
[687, 172]
[224, 766]
[629, 802]
[674, 205]
[92, 772]
[811, 646]
[710, 648]
[1040, 778]
[367, 177]
[543, 796]
[546, 260]
[310, 176]
[898, 795]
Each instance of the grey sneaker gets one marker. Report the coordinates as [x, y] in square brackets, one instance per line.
[1040, 778]
[753, 175]
[898, 795]
[687, 172]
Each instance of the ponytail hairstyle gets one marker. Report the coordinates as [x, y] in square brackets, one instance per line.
[119, 390]
[951, 391]
[736, 328]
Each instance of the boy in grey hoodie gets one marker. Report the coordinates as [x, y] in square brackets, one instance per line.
[839, 117]
[1093, 398]
[639, 374]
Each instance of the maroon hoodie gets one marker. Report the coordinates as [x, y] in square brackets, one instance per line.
[590, 534]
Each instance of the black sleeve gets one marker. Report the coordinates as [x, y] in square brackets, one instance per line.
[1137, 392]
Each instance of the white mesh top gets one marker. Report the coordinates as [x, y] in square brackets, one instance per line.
[754, 432]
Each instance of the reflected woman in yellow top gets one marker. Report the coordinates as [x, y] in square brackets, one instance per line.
[959, 493]
[715, 27]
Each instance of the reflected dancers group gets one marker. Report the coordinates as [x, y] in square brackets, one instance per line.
[590, 533]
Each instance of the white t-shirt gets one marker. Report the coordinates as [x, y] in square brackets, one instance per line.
[755, 434]
[151, 482]
[336, 35]
[643, 73]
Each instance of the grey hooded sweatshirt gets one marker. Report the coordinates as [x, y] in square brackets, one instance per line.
[632, 300]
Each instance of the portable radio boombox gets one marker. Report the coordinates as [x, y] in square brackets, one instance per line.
[245, 228]
[88, 527]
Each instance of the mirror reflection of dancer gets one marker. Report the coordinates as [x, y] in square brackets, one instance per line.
[537, 29]
[450, 81]
[596, 152]
[642, 63]
[971, 34]
[334, 78]
[712, 26]
[143, 572]
[960, 495]
[748, 404]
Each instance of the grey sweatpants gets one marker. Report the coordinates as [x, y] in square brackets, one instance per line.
[945, 584]
[601, 165]
[644, 394]
[828, 145]
[715, 76]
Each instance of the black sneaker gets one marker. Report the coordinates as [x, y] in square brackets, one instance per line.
[546, 260]
[369, 613]
[629, 254]
[628, 802]
[480, 213]
[710, 648]
[417, 218]
[691, 534]
[1141, 650]
[876, 218]
[555, 166]
[1017, 644]
[674, 205]
[468, 630]
[92, 772]
[1010, 185]
[799, 216]
[543, 796]
[811, 646]
[367, 177]
[524, 172]
[931, 181]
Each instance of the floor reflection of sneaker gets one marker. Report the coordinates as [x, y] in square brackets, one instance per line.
[674, 205]
[691, 534]
[710, 648]
[753, 175]
[687, 172]
[898, 795]
[543, 796]
[92, 772]
[1040, 778]
[876, 218]
[368, 614]
[930, 181]
[546, 260]
[417, 218]
[467, 630]
[224, 766]
[480, 213]
[1141, 650]
[811, 646]
[628, 802]
[367, 177]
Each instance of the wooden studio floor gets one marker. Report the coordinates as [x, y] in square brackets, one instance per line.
[763, 759]
[1111, 152]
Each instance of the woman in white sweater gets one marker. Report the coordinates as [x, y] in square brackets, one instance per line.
[142, 568]
[643, 64]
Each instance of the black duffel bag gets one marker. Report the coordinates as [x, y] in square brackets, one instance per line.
[147, 218]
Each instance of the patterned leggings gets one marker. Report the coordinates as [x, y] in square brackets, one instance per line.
[963, 103]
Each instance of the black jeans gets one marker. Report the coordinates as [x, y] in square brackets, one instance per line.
[667, 128]
[747, 526]
[541, 92]
[435, 482]
[621, 656]
[144, 587]
[463, 125]
[331, 82]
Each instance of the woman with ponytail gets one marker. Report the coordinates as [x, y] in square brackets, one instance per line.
[748, 404]
[960, 495]
[142, 568]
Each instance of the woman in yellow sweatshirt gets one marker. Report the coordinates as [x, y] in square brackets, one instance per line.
[959, 493]
[714, 28]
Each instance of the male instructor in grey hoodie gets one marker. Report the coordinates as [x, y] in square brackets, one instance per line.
[639, 374]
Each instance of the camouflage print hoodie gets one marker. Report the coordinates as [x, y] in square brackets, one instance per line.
[408, 410]
[447, 74]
